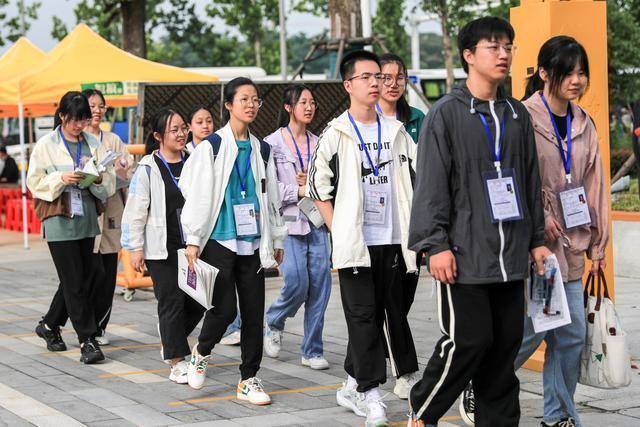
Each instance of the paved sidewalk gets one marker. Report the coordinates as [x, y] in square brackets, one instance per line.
[131, 387]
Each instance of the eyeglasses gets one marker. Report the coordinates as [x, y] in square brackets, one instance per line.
[176, 131]
[391, 80]
[305, 104]
[367, 77]
[255, 102]
[494, 48]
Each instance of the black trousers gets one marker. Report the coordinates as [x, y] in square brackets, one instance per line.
[482, 331]
[104, 269]
[374, 307]
[245, 275]
[178, 314]
[73, 260]
[410, 284]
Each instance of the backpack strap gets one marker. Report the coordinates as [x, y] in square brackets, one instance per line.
[265, 151]
[215, 140]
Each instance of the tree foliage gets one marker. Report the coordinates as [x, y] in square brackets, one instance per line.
[389, 23]
[623, 29]
[11, 26]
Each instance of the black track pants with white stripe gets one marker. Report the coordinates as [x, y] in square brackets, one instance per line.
[482, 332]
[374, 307]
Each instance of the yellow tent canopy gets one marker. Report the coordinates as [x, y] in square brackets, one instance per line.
[84, 59]
[18, 60]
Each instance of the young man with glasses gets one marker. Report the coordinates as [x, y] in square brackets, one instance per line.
[477, 234]
[360, 178]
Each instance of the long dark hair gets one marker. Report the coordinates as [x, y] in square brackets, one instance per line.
[74, 106]
[230, 90]
[159, 124]
[558, 56]
[192, 113]
[402, 106]
[290, 97]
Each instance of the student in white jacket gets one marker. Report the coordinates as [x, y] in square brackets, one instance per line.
[232, 220]
[360, 177]
[151, 232]
[69, 217]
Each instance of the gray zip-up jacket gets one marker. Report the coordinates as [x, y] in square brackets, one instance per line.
[449, 207]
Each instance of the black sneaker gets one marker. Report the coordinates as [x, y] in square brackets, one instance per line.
[468, 406]
[565, 422]
[90, 352]
[51, 336]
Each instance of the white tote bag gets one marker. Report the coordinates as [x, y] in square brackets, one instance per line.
[605, 359]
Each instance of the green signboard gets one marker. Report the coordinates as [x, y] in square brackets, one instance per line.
[107, 88]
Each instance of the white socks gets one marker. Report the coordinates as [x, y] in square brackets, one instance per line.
[351, 383]
[373, 394]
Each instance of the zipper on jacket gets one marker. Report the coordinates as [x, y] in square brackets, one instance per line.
[500, 229]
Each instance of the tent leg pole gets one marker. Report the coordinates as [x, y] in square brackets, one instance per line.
[23, 177]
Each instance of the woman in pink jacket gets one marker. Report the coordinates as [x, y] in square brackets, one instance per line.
[306, 265]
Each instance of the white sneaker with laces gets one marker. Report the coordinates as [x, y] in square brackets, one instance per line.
[404, 384]
[197, 369]
[232, 339]
[316, 362]
[251, 390]
[376, 413]
[179, 372]
[272, 341]
[350, 398]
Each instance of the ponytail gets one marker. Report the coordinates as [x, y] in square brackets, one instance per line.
[534, 84]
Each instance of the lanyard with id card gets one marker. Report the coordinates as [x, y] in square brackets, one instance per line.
[75, 194]
[573, 197]
[175, 181]
[245, 212]
[500, 186]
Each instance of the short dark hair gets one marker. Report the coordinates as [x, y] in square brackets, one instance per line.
[348, 63]
[291, 96]
[3, 149]
[91, 92]
[230, 90]
[74, 106]
[558, 56]
[489, 28]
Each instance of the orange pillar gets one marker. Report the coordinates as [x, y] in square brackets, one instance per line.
[535, 21]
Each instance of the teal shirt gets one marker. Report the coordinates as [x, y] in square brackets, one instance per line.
[60, 228]
[414, 124]
[225, 228]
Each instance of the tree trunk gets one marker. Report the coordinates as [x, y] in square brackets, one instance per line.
[447, 48]
[133, 33]
[257, 46]
[340, 13]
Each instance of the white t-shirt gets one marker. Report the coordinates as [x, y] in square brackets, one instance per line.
[381, 223]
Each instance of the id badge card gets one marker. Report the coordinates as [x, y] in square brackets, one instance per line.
[246, 217]
[575, 209]
[75, 198]
[376, 204]
[502, 195]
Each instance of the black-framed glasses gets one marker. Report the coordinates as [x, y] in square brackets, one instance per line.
[367, 77]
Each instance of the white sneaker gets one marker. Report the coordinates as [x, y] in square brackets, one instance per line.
[232, 339]
[102, 338]
[350, 398]
[197, 370]
[405, 383]
[272, 341]
[251, 391]
[376, 413]
[316, 362]
[179, 372]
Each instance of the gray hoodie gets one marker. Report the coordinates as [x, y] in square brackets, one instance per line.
[449, 208]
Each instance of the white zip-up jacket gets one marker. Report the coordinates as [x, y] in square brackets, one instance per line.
[144, 220]
[50, 159]
[204, 181]
[335, 174]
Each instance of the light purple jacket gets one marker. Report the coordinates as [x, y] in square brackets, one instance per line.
[286, 162]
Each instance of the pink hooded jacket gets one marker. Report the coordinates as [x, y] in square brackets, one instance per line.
[586, 170]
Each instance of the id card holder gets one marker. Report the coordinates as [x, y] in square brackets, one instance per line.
[502, 195]
[575, 209]
[376, 204]
[246, 217]
[75, 200]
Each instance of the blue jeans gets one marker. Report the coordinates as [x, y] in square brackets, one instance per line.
[307, 280]
[234, 326]
[561, 358]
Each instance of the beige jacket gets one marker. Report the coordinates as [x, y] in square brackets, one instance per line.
[110, 221]
[586, 169]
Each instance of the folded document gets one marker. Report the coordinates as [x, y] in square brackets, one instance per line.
[199, 282]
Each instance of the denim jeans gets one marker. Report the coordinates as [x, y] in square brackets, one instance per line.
[234, 326]
[561, 358]
[307, 280]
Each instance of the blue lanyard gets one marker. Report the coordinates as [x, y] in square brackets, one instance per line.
[374, 168]
[79, 151]
[193, 144]
[295, 144]
[166, 165]
[380, 111]
[497, 151]
[566, 159]
[243, 178]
